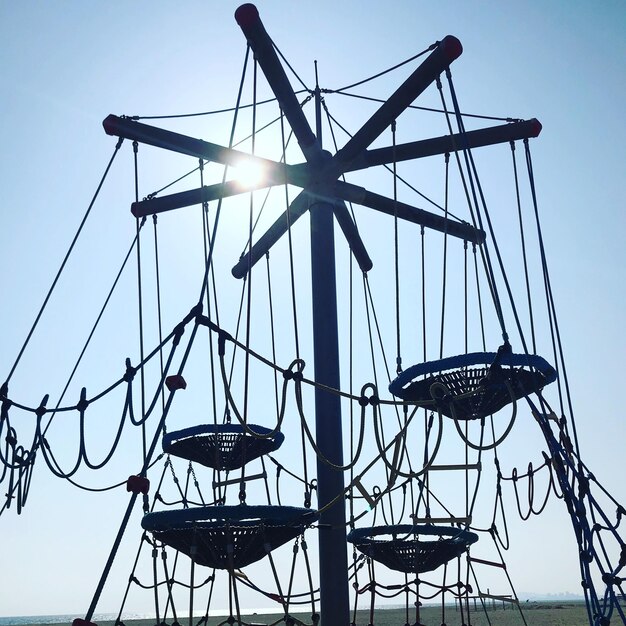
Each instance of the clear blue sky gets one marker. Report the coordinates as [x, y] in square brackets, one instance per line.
[66, 65]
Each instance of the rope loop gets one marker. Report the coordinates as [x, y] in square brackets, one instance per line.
[290, 374]
[11, 437]
[372, 400]
[41, 410]
[83, 403]
[441, 394]
[130, 372]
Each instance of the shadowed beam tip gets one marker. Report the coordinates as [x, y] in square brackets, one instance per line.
[451, 48]
[246, 15]
[536, 127]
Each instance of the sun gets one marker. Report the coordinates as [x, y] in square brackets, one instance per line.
[248, 174]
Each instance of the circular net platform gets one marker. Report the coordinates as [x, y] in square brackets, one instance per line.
[226, 537]
[404, 551]
[475, 385]
[222, 446]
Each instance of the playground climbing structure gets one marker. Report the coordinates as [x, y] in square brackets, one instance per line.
[357, 395]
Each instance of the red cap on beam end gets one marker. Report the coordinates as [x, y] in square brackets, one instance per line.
[451, 48]
[110, 128]
[536, 127]
[246, 15]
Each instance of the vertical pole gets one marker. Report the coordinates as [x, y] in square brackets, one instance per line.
[333, 554]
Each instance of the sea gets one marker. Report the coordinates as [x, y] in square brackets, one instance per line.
[21, 620]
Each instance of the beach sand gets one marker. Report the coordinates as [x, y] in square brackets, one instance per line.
[536, 614]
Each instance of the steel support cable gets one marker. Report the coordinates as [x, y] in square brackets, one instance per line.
[144, 469]
[473, 204]
[142, 377]
[548, 287]
[524, 256]
[64, 262]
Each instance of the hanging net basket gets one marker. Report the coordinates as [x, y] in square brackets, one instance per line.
[222, 446]
[227, 537]
[475, 385]
[403, 550]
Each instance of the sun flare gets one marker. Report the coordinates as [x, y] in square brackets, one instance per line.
[248, 174]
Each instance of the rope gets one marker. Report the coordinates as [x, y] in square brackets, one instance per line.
[214, 112]
[140, 306]
[445, 255]
[387, 71]
[472, 199]
[396, 248]
[550, 298]
[133, 497]
[523, 242]
[158, 296]
[64, 262]
[428, 109]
